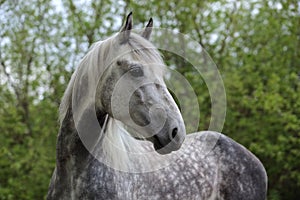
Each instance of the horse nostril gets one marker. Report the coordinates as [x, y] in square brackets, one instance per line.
[174, 132]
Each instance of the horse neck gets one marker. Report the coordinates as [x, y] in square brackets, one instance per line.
[112, 149]
[69, 145]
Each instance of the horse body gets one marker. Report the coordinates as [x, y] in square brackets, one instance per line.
[127, 161]
[228, 171]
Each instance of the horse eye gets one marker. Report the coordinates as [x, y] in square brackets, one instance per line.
[136, 71]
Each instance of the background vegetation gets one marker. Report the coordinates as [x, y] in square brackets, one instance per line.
[255, 45]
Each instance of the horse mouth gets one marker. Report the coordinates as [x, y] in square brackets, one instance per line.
[156, 143]
[159, 147]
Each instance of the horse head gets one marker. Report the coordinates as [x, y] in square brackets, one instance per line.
[132, 90]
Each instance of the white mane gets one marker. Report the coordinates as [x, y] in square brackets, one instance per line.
[90, 62]
[119, 148]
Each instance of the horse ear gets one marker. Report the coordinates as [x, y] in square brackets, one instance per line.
[126, 29]
[148, 29]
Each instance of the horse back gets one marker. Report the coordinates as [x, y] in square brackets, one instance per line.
[240, 174]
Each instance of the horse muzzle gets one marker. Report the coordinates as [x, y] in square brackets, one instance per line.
[169, 139]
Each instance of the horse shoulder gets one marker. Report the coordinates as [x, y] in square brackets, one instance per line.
[240, 174]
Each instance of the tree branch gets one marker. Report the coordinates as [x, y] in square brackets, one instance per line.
[228, 25]
[10, 79]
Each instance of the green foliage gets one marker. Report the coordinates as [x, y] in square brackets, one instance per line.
[255, 45]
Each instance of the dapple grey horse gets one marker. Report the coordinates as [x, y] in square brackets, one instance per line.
[122, 135]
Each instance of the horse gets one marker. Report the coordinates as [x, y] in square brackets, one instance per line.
[122, 135]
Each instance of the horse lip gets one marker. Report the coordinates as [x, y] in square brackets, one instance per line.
[159, 147]
[156, 143]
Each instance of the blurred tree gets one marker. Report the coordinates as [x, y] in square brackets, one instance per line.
[255, 45]
[27, 118]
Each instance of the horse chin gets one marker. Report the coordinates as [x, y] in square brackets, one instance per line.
[163, 150]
